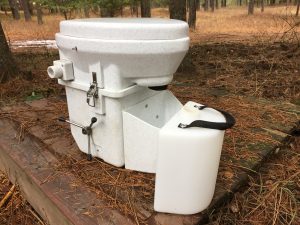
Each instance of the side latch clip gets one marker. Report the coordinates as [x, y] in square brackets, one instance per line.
[92, 93]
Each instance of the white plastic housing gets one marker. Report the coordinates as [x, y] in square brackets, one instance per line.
[141, 125]
[144, 51]
[188, 161]
[111, 63]
[125, 56]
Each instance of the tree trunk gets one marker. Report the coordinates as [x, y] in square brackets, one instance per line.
[298, 4]
[3, 8]
[223, 3]
[25, 7]
[86, 9]
[121, 10]
[30, 7]
[145, 8]
[177, 9]
[192, 13]
[8, 67]
[198, 5]
[217, 4]
[95, 9]
[262, 5]
[134, 8]
[50, 10]
[14, 9]
[65, 13]
[39, 13]
[104, 12]
[212, 5]
[206, 3]
[107, 12]
[251, 7]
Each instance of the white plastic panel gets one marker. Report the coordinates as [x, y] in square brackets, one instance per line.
[146, 63]
[188, 161]
[141, 125]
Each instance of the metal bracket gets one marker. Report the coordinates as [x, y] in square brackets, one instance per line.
[92, 93]
[181, 125]
[200, 107]
[95, 70]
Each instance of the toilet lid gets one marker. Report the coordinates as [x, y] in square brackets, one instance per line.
[125, 29]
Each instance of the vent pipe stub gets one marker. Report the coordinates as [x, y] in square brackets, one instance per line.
[55, 72]
[61, 69]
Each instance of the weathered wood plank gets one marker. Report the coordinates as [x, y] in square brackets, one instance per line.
[39, 154]
[29, 164]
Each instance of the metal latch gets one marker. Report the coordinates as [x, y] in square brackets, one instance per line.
[92, 93]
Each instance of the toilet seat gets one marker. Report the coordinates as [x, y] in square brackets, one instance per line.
[125, 29]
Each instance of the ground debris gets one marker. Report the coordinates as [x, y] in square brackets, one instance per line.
[272, 195]
[15, 210]
[257, 69]
[252, 83]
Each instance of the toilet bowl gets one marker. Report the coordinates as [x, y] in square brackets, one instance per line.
[123, 57]
[115, 72]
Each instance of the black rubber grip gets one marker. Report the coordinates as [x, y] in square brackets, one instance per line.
[230, 121]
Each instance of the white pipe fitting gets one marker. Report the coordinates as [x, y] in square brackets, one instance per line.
[55, 71]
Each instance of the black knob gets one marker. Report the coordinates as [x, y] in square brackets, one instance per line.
[94, 120]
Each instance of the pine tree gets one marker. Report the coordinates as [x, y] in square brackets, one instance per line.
[8, 68]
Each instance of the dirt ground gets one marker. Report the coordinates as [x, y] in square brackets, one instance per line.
[246, 64]
[272, 196]
[15, 210]
[210, 72]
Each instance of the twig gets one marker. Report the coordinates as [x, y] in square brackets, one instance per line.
[7, 196]
[36, 216]
[135, 215]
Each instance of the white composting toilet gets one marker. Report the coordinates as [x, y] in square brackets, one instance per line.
[115, 72]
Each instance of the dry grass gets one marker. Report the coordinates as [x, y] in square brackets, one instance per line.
[272, 196]
[21, 30]
[33, 79]
[229, 23]
[16, 210]
[238, 70]
[122, 189]
[214, 72]
[234, 23]
[130, 192]
[260, 69]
